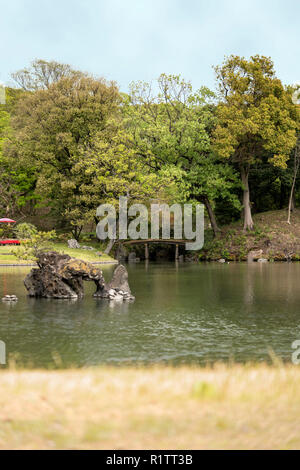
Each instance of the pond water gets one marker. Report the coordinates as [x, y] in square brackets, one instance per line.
[184, 313]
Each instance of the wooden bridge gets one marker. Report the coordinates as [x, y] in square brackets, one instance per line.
[149, 241]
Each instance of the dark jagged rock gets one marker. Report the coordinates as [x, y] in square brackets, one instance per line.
[118, 289]
[120, 280]
[60, 276]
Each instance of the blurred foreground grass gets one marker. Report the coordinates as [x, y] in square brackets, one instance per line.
[227, 407]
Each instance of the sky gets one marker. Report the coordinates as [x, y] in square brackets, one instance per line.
[131, 40]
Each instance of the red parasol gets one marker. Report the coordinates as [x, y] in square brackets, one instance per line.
[7, 221]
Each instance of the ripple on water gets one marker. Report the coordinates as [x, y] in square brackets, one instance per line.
[185, 314]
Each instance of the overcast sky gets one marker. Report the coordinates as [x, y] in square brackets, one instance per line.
[129, 40]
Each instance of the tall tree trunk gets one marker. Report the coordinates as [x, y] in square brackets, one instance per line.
[292, 195]
[211, 215]
[248, 221]
[109, 247]
[293, 202]
[76, 232]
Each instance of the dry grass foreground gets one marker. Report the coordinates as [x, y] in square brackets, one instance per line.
[238, 407]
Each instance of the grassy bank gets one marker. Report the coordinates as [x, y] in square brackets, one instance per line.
[7, 256]
[277, 240]
[152, 408]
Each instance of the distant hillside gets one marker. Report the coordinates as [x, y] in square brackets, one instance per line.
[278, 240]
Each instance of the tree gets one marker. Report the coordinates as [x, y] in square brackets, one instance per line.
[172, 128]
[49, 128]
[72, 131]
[108, 167]
[296, 170]
[25, 230]
[255, 115]
[42, 74]
[17, 181]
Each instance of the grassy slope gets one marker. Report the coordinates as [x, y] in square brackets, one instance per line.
[86, 255]
[239, 407]
[272, 234]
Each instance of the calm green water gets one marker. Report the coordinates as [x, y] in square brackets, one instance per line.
[184, 314]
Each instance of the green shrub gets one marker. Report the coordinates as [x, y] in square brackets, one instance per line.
[37, 244]
[25, 231]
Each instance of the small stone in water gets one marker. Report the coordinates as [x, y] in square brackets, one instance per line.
[118, 297]
[128, 296]
[10, 298]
